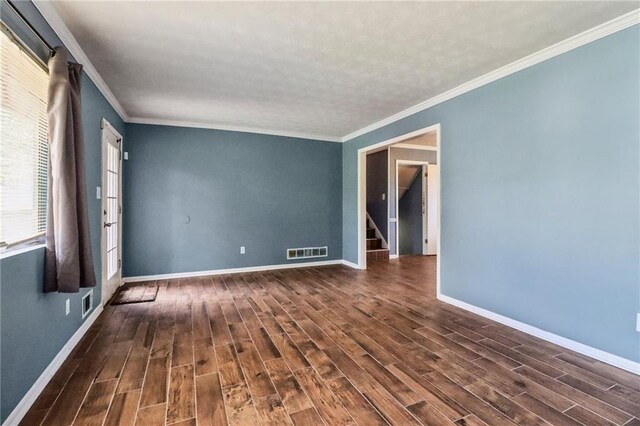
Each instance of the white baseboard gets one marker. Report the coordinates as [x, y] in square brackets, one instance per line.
[615, 360]
[393, 256]
[230, 271]
[350, 264]
[30, 397]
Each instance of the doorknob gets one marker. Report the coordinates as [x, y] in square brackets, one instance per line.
[107, 225]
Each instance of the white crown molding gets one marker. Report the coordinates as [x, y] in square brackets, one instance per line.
[214, 126]
[36, 389]
[588, 36]
[49, 13]
[609, 358]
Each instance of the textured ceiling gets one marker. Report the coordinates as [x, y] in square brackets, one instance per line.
[314, 68]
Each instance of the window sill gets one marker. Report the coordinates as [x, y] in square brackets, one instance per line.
[19, 250]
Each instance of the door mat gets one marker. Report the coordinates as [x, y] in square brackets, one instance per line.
[136, 293]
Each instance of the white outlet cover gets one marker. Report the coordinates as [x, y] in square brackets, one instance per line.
[126, 155]
[384, 196]
[242, 250]
[98, 192]
[67, 307]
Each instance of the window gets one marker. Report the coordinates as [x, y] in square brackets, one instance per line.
[23, 143]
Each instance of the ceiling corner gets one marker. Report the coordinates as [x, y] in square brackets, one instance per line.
[49, 13]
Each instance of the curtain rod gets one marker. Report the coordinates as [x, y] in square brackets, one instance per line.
[31, 27]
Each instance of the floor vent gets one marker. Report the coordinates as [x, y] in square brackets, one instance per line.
[307, 252]
[87, 303]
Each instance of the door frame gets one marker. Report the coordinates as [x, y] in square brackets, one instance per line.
[105, 125]
[423, 170]
[362, 193]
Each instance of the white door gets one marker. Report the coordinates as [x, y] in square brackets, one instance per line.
[432, 209]
[111, 211]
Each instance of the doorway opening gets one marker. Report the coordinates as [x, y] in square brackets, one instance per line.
[111, 195]
[416, 198]
[419, 152]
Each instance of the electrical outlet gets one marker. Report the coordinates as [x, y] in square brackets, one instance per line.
[384, 196]
[242, 251]
[67, 307]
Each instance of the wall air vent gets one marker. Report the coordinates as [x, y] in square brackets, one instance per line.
[87, 303]
[307, 252]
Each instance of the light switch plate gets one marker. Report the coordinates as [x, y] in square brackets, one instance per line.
[242, 251]
[126, 155]
[638, 323]
[67, 307]
[98, 192]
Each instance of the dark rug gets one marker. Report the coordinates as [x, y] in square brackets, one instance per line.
[136, 293]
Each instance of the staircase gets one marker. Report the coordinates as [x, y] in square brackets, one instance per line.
[375, 249]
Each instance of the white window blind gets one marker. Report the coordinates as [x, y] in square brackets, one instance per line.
[23, 144]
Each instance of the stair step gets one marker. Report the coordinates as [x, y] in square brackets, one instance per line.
[374, 243]
[377, 255]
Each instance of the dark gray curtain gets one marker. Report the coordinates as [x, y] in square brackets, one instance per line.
[68, 261]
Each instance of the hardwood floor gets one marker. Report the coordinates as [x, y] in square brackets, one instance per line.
[328, 345]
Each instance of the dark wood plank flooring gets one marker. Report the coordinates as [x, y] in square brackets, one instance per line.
[326, 345]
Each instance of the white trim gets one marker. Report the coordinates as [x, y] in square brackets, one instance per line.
[231, 271]
[378, 233]
[36, 389]
[585, 37]
[349, 264]
[413, 146]
[14, 252]
[49, 13]
[439, 213]
[106, 126]
[393, 256]
[609, 358]
[362, 206]
[389, 220]
[232, 128]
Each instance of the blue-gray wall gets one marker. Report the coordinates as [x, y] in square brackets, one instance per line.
[540, 180]
[377, 186]
[33, 325]
[410, 219]
[267, 193]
